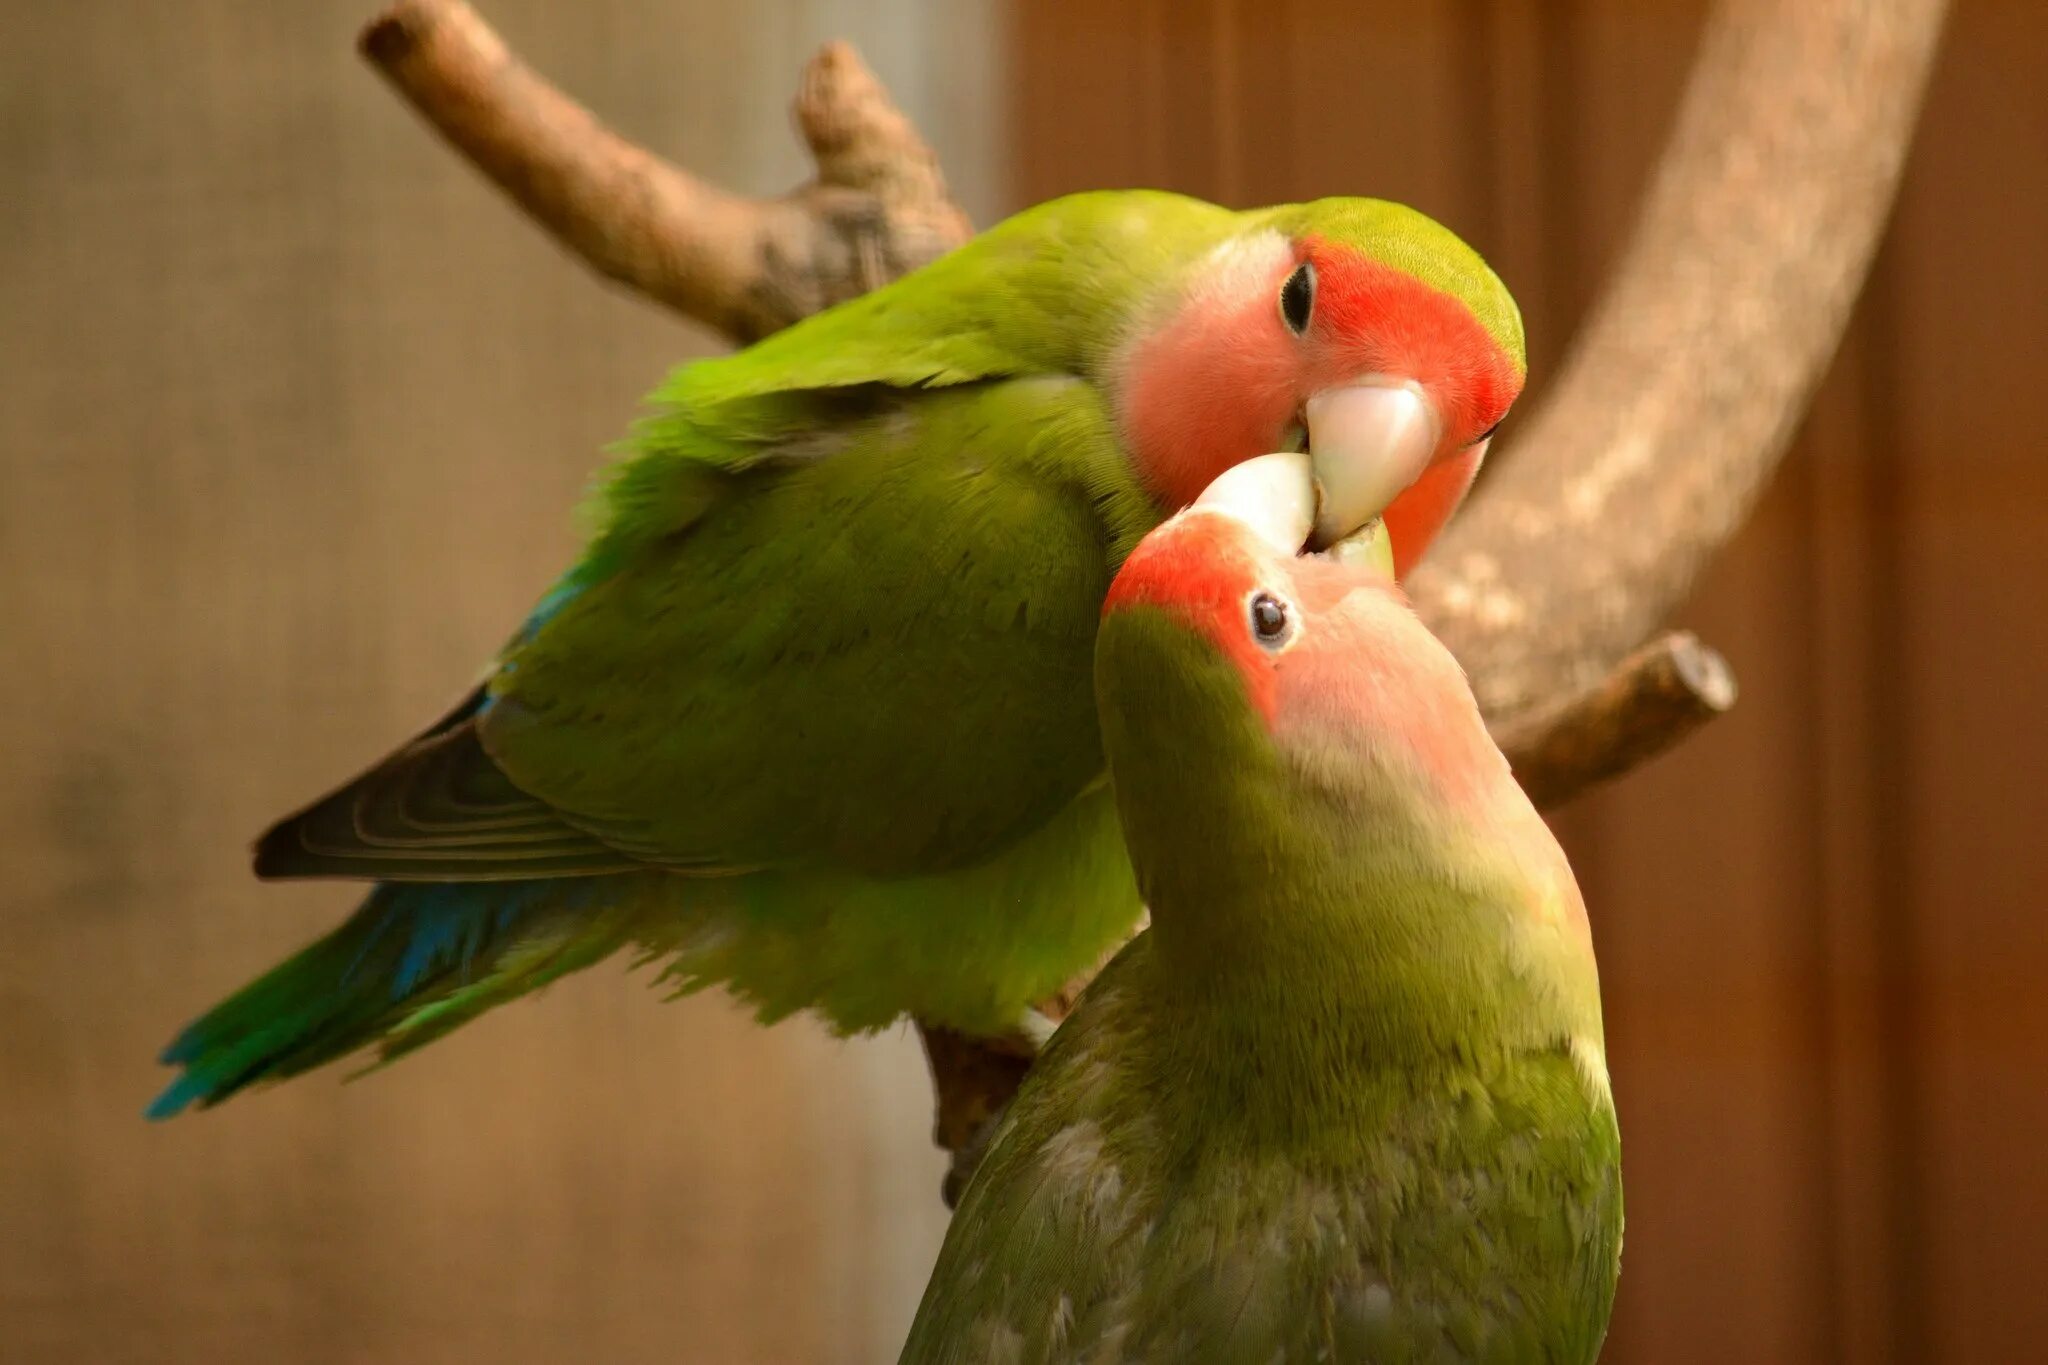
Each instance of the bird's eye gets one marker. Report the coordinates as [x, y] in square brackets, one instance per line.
[1298, 298]
[1271, 622]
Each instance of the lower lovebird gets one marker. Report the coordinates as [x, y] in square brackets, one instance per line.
[1346, 1100]
[811, 717]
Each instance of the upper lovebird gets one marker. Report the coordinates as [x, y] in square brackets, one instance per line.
[1346, 1100]
[812, 715]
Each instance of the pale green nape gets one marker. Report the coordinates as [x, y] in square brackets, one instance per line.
[1416, 243]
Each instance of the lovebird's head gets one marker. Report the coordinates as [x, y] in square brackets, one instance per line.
[1309, 795]
[1224, 647]
[1296, 757]
[1357, 330]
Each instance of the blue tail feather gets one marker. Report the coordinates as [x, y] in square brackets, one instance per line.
[414, 961]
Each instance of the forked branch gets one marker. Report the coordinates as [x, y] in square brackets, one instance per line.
[745, 266]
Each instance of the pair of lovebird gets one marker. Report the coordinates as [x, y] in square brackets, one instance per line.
[894, 680]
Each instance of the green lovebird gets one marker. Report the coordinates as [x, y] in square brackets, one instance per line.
[1346, 1099]
[812, 715]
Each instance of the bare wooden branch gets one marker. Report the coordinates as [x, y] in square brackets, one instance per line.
[972, 1080]
[745, 266]
[1656, 697]
[1687, 382]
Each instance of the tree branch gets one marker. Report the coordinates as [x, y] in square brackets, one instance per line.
[1657, 696]
[745, 266]
[1685, 385]
[972, 1081]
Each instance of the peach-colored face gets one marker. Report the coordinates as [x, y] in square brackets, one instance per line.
[1274, 323]
[1324, 649]
[1348, 681]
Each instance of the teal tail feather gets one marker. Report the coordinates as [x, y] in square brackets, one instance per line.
[417, 960]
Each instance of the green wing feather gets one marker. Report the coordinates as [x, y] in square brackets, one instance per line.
[837, 577]
[824, 668]
[847, 570]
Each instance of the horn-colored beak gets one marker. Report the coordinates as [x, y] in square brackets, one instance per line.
[1367, 442]
[1274, 495]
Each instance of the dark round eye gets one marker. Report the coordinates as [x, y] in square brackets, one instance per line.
[1269, 618]
[1298, 298]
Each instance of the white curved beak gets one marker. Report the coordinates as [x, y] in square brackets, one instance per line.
[1274, 495]
[1367, 441]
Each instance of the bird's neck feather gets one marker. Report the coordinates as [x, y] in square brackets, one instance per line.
[1340, 924]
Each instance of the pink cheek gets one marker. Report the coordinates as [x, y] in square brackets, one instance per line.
[1207, 397]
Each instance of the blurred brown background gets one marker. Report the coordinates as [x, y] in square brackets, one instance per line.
[291, 413]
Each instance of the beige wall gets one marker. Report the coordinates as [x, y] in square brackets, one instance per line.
[292, 412]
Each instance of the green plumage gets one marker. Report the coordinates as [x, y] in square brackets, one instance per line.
[812, 716]
[1344, 1102]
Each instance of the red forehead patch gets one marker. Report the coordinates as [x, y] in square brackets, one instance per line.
[1377, 319]
[1198, 568]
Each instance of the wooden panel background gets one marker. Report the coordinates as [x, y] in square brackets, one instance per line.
[1821, 922]
[292, 414]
